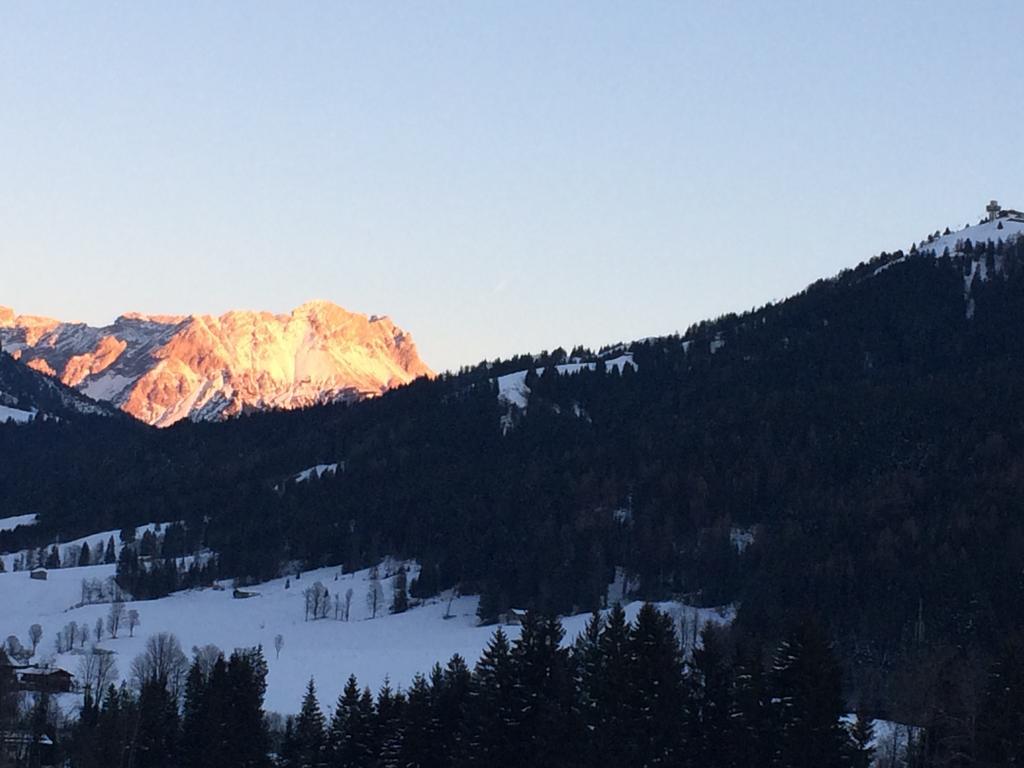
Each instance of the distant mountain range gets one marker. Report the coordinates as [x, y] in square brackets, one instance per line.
[161, 369]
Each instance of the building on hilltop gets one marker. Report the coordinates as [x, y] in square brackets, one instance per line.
[995, 211]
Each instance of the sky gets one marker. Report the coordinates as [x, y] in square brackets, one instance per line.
[498, 177]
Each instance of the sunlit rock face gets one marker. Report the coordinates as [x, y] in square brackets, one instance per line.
[162, 369]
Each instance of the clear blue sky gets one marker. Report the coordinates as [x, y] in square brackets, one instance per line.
[498, 177]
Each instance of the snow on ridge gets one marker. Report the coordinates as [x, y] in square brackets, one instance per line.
[979, 233]
[10, 523]
[512, 387]
[16, 415]
[96, 541]
[318, 471]
[954, 242]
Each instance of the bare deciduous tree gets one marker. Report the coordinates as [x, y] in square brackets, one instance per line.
[98, 629]
[162, 661]
[97, 670]
[348, 602]
[318, 602]
[14, 649]
[133, 622]
[35, 634]
[375, 593]
[278, 645]
[115, 617]
[206, 657]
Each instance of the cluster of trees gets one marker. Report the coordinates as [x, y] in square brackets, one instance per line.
[319, 603]
[156, 565]
[73, 556]
[14, 649]
[622, 694]
[177, 716]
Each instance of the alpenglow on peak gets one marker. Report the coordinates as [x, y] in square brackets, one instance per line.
[164, 368]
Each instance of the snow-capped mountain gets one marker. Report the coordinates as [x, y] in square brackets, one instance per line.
[162, 369]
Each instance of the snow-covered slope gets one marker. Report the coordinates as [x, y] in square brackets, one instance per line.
[1001, 229]
[512, 388]
[392, 646]
[10, 523]
[162, 369]
[16, 415]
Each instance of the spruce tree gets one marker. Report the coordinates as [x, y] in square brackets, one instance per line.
[308, 736]
[751, 728]
[1001, 720]
[544, 726]
[710, 710]
[84, 555]
[400, 598]
[807, 686]
[245, 734]
[155, 743]
[419, 743]
[614, 719]
[194, 724]
[492, 705]
[451, 704]
[657, 678]
[108, 556]
[350, 739]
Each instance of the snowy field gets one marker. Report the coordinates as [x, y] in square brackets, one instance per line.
[394, 646]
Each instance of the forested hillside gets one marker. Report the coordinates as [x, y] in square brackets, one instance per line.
[866, 434]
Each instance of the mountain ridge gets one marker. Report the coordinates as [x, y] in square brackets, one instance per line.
[165, 368]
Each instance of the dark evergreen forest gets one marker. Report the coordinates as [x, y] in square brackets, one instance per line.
[621, 695]
[868, 432]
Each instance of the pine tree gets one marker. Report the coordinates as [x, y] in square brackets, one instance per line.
[710, 710]
[194, 733]
[84, 745]
[350, 737]
[492, 708]
[544, 725]
[586, 669]
[451, 703]
[657, 677]
[155, 743]
[806, 683]
[1001, 720]
[751, 727]
[614, 719]
[245, 734]
[309, 740]
[84, 555]
[400, 598]
[418, 745]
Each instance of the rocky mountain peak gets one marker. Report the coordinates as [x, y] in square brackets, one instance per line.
[164, 368]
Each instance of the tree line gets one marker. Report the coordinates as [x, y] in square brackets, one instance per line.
[622, 693]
